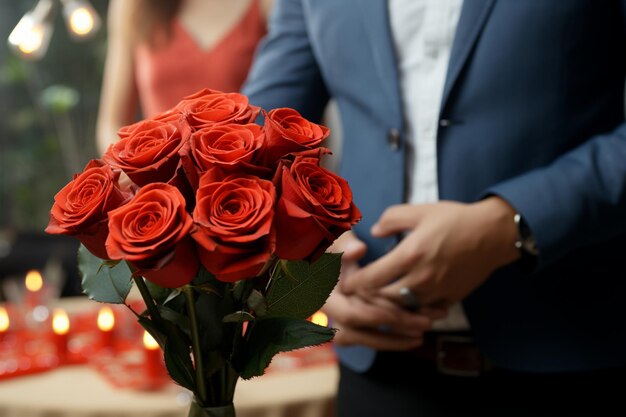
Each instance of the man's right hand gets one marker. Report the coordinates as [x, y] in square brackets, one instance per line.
[368, 319]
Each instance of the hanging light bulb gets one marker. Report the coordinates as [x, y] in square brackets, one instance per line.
[31, 36]
[81, 19]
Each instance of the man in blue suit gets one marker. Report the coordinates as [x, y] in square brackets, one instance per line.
[485, 144]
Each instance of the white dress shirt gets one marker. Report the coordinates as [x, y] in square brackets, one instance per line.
[423, 31]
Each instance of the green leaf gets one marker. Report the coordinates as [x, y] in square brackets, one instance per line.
[180, 320]
[203, 277]
[299, 289]
[178, 362]
[160, 294]
[206, 288]
[257, 302]
[241, 290]
[101, 282]
[238, 317]
[111, 263]
[272, 335]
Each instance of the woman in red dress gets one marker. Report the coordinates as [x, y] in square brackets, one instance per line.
[162, 50]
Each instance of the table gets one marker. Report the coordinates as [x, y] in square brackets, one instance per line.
[81, 391]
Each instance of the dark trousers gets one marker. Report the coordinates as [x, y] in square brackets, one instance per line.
[400, 385]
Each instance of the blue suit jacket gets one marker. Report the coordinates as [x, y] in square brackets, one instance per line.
[532, 111]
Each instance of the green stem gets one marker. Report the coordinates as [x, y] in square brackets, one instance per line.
[147, 298]
[195, 342]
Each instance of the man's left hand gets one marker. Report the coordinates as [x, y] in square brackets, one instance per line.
[449, 250]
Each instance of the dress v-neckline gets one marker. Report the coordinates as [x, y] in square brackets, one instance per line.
[221, 40]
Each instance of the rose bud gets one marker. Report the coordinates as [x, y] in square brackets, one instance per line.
[209, 107]
[288, 132]
[80, 208]
[234, 219]
[149, 153]
[230, 147]
[315, 207]
[152, 233]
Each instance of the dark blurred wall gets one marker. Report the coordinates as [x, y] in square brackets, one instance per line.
[24, 251]
[33, 165]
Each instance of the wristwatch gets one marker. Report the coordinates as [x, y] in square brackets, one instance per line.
[525, 240]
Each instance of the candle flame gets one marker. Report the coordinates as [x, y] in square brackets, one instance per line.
[33, 281]
[60, 322]
[106, 319]
[4, 320]
[320, 319]
[149, 342]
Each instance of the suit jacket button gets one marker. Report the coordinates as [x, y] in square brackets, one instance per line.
[445, 122]
[393, 138]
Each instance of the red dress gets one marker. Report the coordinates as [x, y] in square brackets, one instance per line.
[168, 72]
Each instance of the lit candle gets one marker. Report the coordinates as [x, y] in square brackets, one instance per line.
[320, 319]
[152, 358]
[106, 323]
[4, 323]
[34, 286]
[61, 328]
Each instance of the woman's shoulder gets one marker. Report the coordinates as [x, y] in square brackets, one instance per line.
[120, 17]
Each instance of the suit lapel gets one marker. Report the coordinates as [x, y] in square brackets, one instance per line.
[375, 14]
[471, 22]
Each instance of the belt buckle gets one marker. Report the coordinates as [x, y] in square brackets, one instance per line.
[458, 350]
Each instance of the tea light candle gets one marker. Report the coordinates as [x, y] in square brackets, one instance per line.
[320, 319]
[61, 328]
[152, 357]
[5, 323]
[106, 324]
[34, 285]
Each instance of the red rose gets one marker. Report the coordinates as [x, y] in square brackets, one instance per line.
[234, 219]
[229, 148]
[315, 207]
[168, 116]
[152, 233]
[288, 132]
[149, 153]
[80, 208]
[209, 107]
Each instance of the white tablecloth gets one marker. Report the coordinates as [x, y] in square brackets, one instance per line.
[79, 391]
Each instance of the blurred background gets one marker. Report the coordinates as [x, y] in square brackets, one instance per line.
[48, 108]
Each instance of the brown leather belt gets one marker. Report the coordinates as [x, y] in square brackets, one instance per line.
[453, 353]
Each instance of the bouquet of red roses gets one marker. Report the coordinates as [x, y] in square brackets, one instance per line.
[223, 228]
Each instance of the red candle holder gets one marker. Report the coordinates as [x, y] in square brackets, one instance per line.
[61, 328]
[34, 289]
[152, 357]
[106, 325]
[5, 323]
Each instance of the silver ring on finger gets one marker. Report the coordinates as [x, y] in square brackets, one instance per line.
[409, 299]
